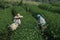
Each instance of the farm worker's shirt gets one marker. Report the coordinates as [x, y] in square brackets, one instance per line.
[18, 21]
[41, 20]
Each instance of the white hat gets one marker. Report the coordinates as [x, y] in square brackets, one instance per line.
[18, 15]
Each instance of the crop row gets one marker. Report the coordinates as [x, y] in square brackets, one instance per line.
[56, 4]
[51, 18]
[28, 30]
[49, 8]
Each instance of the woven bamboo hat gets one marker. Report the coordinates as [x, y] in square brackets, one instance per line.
[17, 16]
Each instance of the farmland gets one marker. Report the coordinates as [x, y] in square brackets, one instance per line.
[29, 29]
[26, 31]
[50, 8]
[52, 18]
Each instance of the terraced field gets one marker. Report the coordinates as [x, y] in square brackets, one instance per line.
[28, 30]
[51, 18]
[49, 7]
[5, 19]
[56, 4]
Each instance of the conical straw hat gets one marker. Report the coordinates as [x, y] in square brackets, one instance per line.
[17, 16]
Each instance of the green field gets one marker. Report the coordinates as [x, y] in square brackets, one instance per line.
[5, 19]
[29, 29]
[52, 18]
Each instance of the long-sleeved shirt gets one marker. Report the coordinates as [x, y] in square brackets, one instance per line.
[41, 20]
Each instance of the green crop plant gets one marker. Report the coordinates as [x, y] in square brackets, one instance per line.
[28, 30]
[49, 8]
[5, 20]
[51, 19]
[56, 4]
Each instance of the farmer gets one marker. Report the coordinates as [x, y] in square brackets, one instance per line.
[17, 19]
[41, 23]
